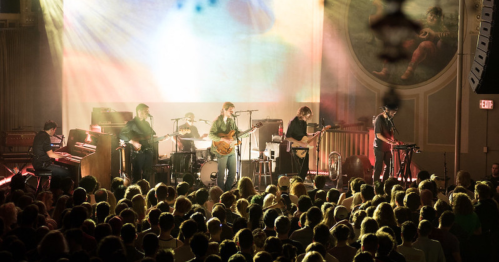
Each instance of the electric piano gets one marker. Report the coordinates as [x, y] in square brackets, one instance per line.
[91, 153]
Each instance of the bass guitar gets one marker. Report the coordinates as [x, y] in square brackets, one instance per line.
[224, 148]
[306, 139]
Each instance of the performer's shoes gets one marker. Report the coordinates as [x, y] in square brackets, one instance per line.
[383, 74]
[409, 73]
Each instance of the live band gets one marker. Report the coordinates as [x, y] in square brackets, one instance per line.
[224, 136]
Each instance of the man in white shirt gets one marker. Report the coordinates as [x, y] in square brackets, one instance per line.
[432, 248]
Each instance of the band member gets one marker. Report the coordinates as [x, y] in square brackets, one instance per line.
[383, 140]
[223, 125]
[190, 131]
[139, 133]
[42, 151]
[297, 130]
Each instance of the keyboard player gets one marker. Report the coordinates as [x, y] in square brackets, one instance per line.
[42, 151]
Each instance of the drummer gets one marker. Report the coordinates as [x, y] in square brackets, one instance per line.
[190, 131]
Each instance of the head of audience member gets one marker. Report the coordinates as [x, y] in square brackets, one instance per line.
[409, 232]
[358, 217]
[89, 183]
[171, 195]
[340, 213]
[101, 195]
[320, 195]
[341, 233]
[384, 215]
[304, 203]
[144, 186]
[396, 188]
[161, 193]
[150, 245]
[219, 212]
[446, 220]
[166, 255]
[214, 227]
[317, 248]
[131, 191]
[366, 192]
[79, 196]
[182, 206]
[228, 199]
[461, 204]
[257, 199]
[329, 219]
[283, 184]
[412, 201]
[227, 249]
[379, 188]
[52, 246]
[128, 234]
[425, 227]
[269, 200]
[313, 256]
[259, 237]
[320, 182]
[246, 187]
[269, 218]
[388, 185]
[242, 207]
[151, 200]
[363, 256]
[298, 189]
[239, 223]
[314, 216]
[117, 181]
[402, 214]
[386, 243]
[188, 228]
[463, 178]
[119, 192]
[273, 245]
[356, 184]
[422, 175]
[183, 189]
[263, 256]
[116, 223]
[369, 225]
[244, 239]
[166, 222]
[200, 220]
[399, 198]
[139, 206]
[272, 189]
[111, 249]
[102, 210]
[201, 196]
[322, 235]
[333, 195]
[255, 213]
[370, 243]
[427, 213]
[483, 191]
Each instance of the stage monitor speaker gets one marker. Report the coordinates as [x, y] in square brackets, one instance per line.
[264, 134]
[482, 77]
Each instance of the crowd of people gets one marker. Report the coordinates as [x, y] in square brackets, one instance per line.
[142, 222]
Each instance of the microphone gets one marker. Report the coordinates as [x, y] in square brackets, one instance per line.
[202, 120]
[149, 115]
[234, 115]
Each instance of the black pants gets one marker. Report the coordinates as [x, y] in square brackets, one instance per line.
[300, 165]
[142, 164]
[381, 157]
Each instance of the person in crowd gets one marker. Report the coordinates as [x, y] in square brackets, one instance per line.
[214, 229]
[319, 184]
[184, 253]
[342, 251]
[409, 233]
[244, 239]
[128, 235]
[450, 243]
[305, 234]
[199, 247]
[228, 199]
[432, 248]
[219, 212]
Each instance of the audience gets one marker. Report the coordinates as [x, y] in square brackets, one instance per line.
[143, 222]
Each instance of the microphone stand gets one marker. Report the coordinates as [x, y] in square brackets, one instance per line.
[175, 155]
[318, 151]
[238, 153]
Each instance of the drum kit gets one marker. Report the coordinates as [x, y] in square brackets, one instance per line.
[201, 163]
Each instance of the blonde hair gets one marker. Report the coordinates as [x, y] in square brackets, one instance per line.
[298, 189]
[215, 193]
[214, 226]
[268, 200]
[246, 187]
[242, 208]
[139, 206]
[182, 205]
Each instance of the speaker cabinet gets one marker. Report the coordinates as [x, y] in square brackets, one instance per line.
[482, 77]
[264, 134]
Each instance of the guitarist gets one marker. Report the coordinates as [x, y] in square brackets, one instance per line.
[223, 125]
[138, 132]
[297, 130]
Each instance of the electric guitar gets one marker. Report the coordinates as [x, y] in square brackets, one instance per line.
[138, 146]
[305, 139]
[224, 148]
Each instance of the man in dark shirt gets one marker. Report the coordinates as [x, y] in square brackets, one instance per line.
[383, 139]
[494, 177]
[297, 130]
[139, 133]
[42, 151]
[190, 131]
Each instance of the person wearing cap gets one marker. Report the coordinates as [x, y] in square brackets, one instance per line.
[341, 217]
[284, 186]
[383, 140]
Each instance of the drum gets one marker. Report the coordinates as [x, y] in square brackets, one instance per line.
[208, 173]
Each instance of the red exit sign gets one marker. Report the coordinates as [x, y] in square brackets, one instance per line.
[486, 104]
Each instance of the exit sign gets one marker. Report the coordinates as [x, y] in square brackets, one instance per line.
[486, 104]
